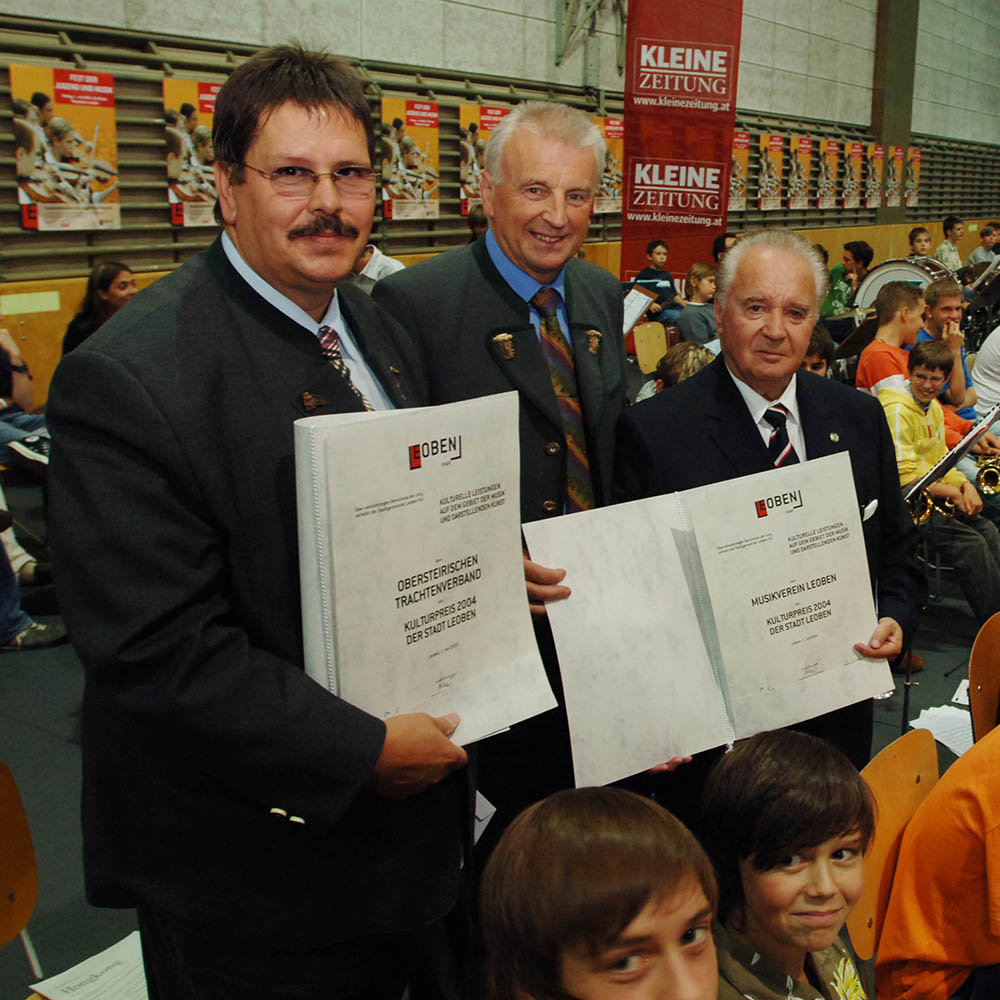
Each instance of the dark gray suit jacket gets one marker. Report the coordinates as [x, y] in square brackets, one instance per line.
[457, 303]
[173, 522]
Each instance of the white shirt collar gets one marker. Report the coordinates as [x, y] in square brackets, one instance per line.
[757, 404]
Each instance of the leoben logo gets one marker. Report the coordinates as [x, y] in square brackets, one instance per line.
[790, 501]
[684, 68]
[449, 448]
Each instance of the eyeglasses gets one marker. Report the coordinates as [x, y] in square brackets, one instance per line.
[299, 182]
[927, 379]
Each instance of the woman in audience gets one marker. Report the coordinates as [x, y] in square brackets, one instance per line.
[696, 323]
[109, 287]
[597, 893]
[786, 819]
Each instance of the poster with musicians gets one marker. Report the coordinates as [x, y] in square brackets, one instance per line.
[911, 177]
[188, 109]
[410, 159]
[740, 172]
[826, 183]
[476, 123]
[609, 193]
[894, 176]
[799, 171]
[874, 171]
[772, 149]
[853, 154]
[65, 148]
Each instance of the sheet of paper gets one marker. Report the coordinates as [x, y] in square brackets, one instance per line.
[961, 695]
[950, 725]
[784, 561]
[637, 301]
[638, 683]
[114, 974]
[484, 812]
[421, 606]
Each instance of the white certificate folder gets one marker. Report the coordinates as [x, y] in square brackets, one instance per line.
[705, 616]
[412, 581]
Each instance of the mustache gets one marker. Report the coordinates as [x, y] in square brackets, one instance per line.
[326, 224]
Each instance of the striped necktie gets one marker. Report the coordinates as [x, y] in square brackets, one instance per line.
[330, 343]
[779, 448]
[559, 355]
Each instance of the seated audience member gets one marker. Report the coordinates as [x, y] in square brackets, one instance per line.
[820, 352]
[371, 265]
[996, 230]
[24, 439]
[967, 540]
[786, 819]
[947, 249]
[109, 287]
[478, 223]
[721, 244]
[983, 254]
[941, 937]
[597, 893]
[920, 242]
[656, 278]
[899, 312]
[942, 321]
[846, 276]
[17, 631]
[696, 322]
[680, 362]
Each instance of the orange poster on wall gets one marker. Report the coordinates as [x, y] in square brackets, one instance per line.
[799, 169]
[874, 167]
[894, 176]
[852, 174]
[476, 123]
[609, 190]
[826, 185]
[188, 108]
[769, 178]
[65, 148]
[911, 177]
[738, 175]
[410, 159]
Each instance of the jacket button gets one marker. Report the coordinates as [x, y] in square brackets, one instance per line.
[553, 448]
[549, 506]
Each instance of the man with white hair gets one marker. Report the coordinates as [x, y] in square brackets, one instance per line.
[517, 310]
[752, 409]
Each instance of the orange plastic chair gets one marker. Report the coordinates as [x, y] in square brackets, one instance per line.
[984, 678]
[18, 873]
[900, 778]
[650, 345]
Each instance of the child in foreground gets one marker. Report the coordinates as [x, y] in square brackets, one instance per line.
[594, 894]
[786, 819]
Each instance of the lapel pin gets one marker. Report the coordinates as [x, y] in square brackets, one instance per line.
[394, 370]
[505, 345]
[594, 341]
[311, 402]
[834, 436]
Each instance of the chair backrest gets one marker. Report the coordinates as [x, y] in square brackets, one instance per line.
[900, 777]
[984, 678]
[650, 345]
[18, 874]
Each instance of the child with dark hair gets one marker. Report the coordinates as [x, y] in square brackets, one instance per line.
[598, 893]
[820, 352]
[920, 242]
[656, 278]
[786, 819]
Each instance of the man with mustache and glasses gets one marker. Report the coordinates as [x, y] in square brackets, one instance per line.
[275, 840]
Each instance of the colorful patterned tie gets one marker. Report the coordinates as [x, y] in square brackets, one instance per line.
[330, 342]
[559, 355]
[779, 448]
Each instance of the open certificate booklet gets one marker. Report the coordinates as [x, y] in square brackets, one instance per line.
[701, 617]
[412, 578]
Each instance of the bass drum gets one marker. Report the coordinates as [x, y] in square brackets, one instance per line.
[920, 271]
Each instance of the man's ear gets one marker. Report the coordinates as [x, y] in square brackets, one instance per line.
[224, 187]
[487, 187]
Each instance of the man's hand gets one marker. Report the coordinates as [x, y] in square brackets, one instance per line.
[417, 753]
[987, 444]
[543, 585]
[670, 765]
[654, 308]
[886, 641]
[952, 336]
[969, 502]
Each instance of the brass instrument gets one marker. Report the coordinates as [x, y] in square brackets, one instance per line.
[988, 477]
[923, 505]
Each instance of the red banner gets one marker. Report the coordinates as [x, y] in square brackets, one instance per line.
[680, 106]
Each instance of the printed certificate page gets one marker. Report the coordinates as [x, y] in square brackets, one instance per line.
[784, 559]
[638, 682]
[421, 555]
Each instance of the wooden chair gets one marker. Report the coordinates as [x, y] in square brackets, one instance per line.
[984, 678]
[18, 874]
[650, 345]
[900, 777]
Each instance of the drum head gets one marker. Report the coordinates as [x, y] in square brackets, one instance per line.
[919, 271]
